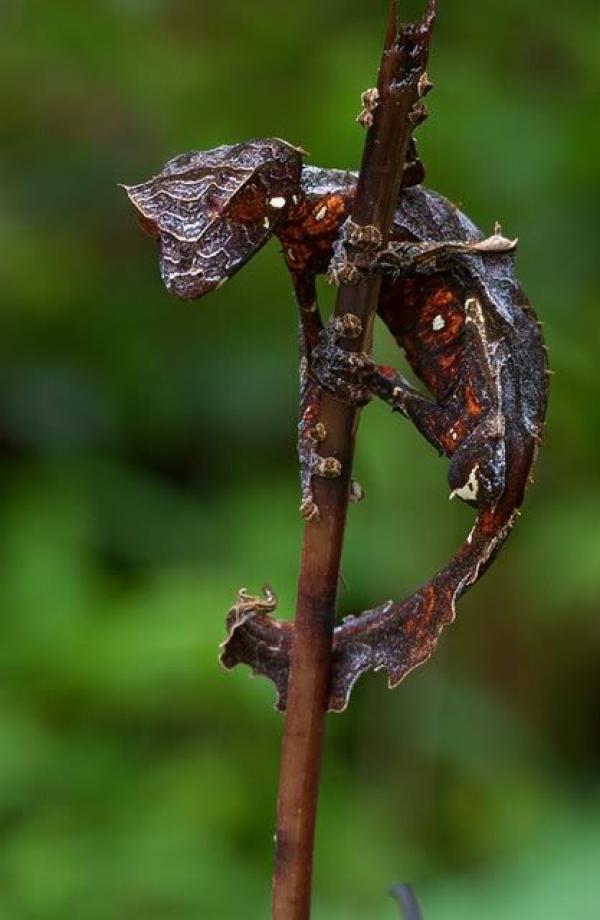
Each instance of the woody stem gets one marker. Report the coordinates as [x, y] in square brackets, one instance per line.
[402, 65]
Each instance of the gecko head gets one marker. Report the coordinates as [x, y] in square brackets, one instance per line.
[212, 210]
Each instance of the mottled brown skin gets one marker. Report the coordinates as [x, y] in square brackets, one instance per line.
[452, 302]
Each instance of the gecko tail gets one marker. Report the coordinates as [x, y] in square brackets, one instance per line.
[399, 636]
[394, 636]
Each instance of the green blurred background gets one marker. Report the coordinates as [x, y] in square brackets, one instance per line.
[148, 471]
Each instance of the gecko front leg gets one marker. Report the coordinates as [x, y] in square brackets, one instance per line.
[433, 421]
[398, 258]
[311, 433]
[310, 322]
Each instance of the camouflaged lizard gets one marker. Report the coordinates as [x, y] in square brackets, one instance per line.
[451, 300]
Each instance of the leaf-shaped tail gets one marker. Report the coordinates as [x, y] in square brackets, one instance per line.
[397, 637]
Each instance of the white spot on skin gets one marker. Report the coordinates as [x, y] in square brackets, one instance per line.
[267, 223]
[453, 435]
[321, 213]
[295, 199]
[438, 323]
[470, 490]
[399, 398]
[290, 255]
[473, 311]
[278, 203]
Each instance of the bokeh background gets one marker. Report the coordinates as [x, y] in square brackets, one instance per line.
[148, 471]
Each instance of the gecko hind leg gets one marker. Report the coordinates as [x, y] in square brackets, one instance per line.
[428, 417]
[354, 378]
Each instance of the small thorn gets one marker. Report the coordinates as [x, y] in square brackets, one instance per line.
[424, 85]
[429, 16]
[320, 431]
[418, 114]
[392, 26]
[349, 326]
[310, 512]
[369, 100]
[357, 493]
[328, 467]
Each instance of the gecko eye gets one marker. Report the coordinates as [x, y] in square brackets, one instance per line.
[470, 489]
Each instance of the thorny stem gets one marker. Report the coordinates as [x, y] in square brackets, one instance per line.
[403, 63]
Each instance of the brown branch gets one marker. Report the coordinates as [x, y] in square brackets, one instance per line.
[395, 115]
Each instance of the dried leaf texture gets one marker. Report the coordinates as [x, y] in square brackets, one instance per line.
[212, 210]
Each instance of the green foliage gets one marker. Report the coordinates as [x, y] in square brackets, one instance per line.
[148, 470]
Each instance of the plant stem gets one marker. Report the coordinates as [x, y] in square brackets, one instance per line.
[403, 63]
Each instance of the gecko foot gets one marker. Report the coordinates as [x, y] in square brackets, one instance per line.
[341, 372]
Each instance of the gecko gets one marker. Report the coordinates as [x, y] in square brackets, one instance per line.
[452, 302]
